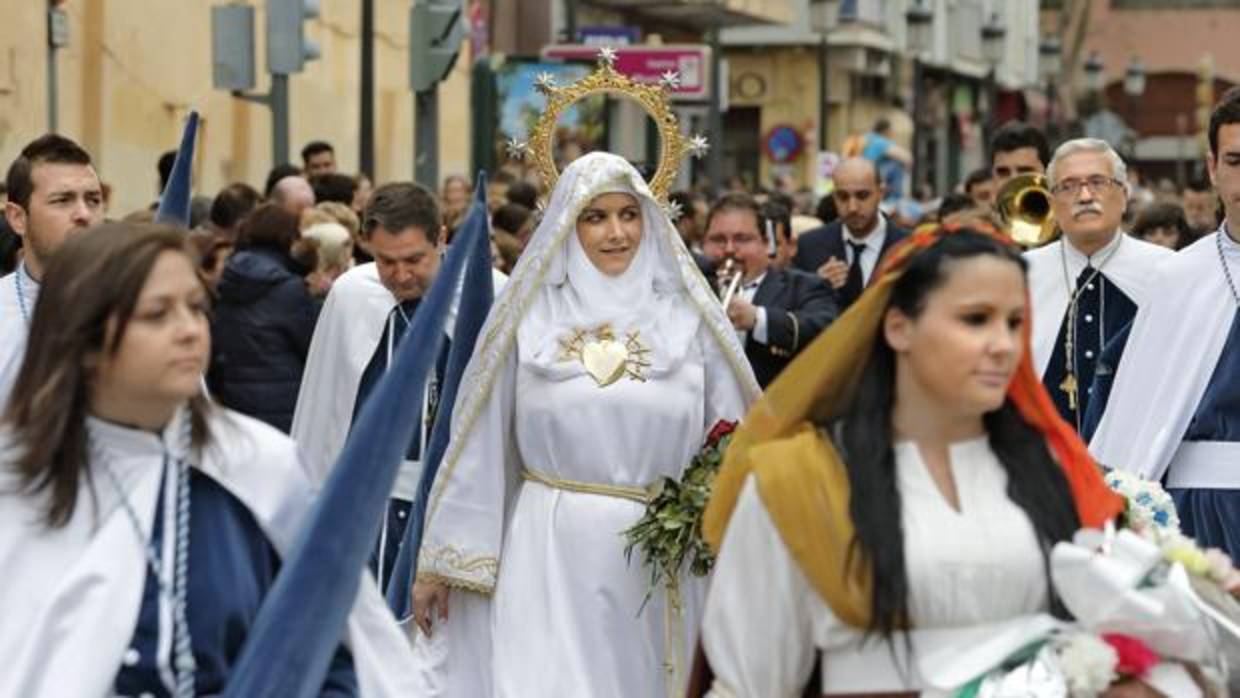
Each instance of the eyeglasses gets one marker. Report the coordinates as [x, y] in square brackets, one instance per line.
[738, 239]
[1098, 184]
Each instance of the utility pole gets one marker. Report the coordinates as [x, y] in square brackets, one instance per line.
[57, 38]
[714, 156]
[366, 137]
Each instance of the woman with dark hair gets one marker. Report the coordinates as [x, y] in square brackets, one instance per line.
[511, 227]
[140, 526]
[907, 471]
[1163, 224]
[264, 319]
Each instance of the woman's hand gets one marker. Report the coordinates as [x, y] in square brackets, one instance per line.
[427, 597]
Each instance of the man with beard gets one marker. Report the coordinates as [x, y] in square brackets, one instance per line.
[1085, 287]
[846, 252]
[53, 194]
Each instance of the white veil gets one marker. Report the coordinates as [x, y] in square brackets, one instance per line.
[683, 298]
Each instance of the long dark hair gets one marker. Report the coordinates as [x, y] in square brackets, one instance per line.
[864, 434]
[94, 278]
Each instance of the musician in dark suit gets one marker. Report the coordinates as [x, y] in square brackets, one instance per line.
[846, 252]
[776, 312]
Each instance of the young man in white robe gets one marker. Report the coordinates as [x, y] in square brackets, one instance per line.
[1175, 406]
[1086, 286]
[365, 315]
[53, 193]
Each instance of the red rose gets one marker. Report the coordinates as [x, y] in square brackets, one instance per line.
[1135, 657]
[721, 429]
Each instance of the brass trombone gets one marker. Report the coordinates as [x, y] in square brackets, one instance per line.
[729, 281]
[1024, 205]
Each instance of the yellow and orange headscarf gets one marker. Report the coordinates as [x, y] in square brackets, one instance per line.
[800, 475]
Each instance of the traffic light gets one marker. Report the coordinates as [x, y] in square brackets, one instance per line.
[232, 47]
[288, 48]
[435, 34]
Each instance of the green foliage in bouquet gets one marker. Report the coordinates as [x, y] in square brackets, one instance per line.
[669, 534]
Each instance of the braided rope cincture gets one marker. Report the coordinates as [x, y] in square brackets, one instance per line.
[186, 666]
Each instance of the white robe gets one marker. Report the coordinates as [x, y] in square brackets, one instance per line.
[556, 613]
[1175, 344]
[979, 566]
[564, 618]
[70, 601]
[1130, 268]
[14, 330]
[348, 332]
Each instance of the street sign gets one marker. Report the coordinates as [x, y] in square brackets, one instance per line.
[783, 144]
[648, 64]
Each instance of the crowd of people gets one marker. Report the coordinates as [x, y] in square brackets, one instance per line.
[173, 399]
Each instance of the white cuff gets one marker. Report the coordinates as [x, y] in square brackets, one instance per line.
[759, 325]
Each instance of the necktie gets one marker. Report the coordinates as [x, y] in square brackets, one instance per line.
[855, 283]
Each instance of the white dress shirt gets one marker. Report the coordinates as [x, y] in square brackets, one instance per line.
[873, 248]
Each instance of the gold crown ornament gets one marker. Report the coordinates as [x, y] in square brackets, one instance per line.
[655, 99]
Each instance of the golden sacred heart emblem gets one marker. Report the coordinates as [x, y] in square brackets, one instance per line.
[604, 360]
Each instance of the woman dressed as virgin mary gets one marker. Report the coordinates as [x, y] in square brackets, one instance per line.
[599, 372]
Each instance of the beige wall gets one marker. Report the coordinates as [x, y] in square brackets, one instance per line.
[134, 68]
[791, 98]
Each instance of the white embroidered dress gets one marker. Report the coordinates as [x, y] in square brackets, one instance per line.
[560, 609]
[968, 571]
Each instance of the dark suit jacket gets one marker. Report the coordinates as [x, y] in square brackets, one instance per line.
[815, 247]
[798, 307]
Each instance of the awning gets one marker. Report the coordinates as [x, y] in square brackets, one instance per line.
[704, 14]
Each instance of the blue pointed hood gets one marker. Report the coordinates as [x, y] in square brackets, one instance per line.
[475, 303]
[175, 199]
[303, 618]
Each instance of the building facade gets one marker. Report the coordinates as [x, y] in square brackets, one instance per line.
[1187, 55]
[133, 70]
[774, 76]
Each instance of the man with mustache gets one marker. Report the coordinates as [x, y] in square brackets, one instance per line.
[1086, 286]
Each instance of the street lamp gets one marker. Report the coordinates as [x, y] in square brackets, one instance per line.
[920, 21]
[823, 19]
[1050, 52]
[1134, 87]
[993, 35]
[1095, 80]
[1134, 78]
[1049, 65]
[1094, 73]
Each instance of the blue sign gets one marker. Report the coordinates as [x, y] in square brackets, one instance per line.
[783, 144]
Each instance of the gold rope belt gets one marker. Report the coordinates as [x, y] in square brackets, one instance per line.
[641, 495]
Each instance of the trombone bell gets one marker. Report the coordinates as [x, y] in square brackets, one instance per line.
[1024, 205]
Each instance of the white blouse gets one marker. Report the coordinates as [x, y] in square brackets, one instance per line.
[764, 623]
